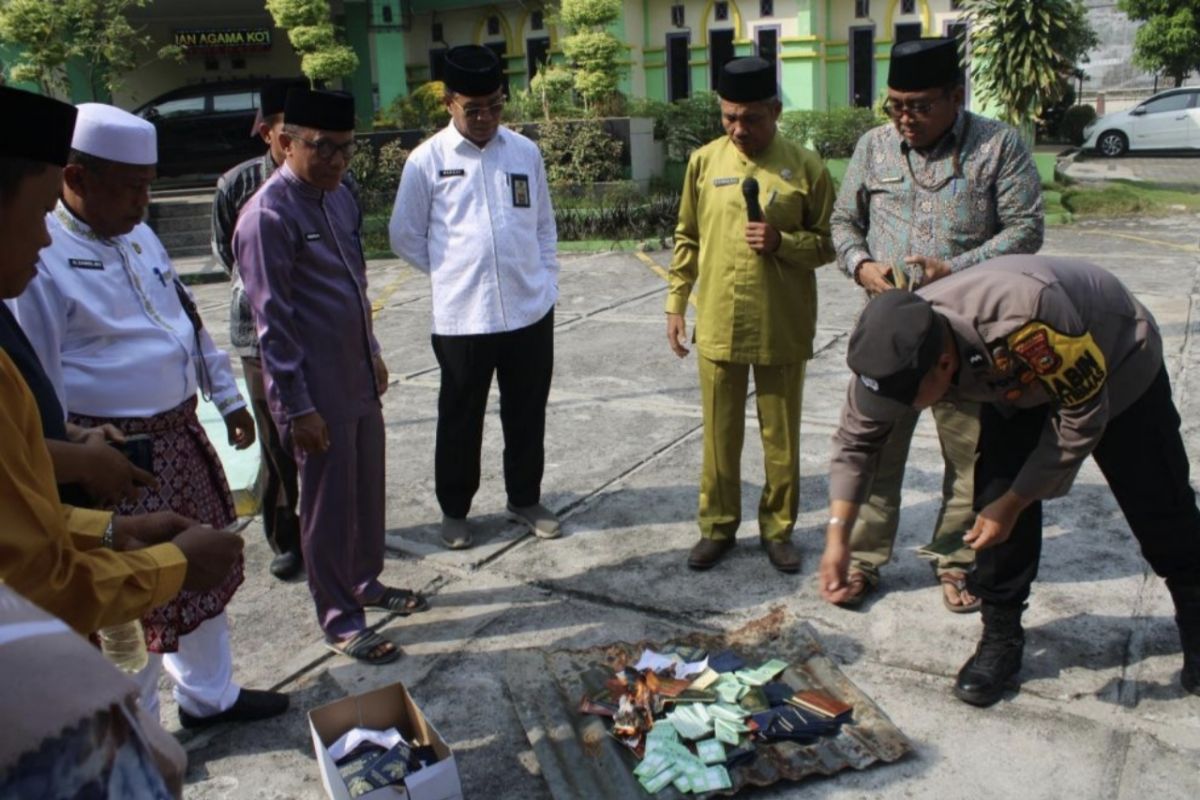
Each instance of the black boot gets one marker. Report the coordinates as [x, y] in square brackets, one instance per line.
[1187, 617]
[997, 659]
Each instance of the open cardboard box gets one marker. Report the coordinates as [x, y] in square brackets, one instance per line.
[389, 707]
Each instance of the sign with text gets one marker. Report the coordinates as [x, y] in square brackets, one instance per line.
[209, 41]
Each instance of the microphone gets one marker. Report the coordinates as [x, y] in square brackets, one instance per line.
[750, 192]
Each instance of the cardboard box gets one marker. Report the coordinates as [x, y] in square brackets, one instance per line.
[389, 707]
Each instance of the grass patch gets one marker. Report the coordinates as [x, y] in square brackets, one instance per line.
[1122, 198]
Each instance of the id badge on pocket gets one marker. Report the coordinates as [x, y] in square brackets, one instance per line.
[520, 190]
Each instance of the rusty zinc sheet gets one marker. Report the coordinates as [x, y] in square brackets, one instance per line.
[579, 759]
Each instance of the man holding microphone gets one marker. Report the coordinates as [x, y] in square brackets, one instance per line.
[756, 303]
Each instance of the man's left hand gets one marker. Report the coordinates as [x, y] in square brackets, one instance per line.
[240, 426]
[762, 238]
[995, 522]
[933, 268]
[381, 373]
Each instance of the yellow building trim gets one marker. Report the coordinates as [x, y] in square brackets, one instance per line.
[838, 43]
[510, 45]
[922, 11]
[735, 15]
[795, 39]
[551, 30]
[808, 56]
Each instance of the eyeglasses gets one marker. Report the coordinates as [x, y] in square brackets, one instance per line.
[327, 149]
[476, 112]
[915, 109]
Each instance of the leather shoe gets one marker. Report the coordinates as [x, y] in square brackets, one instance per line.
[251, 705]
[707, 552]
[287, 564]
[997, 660]
[783, 555]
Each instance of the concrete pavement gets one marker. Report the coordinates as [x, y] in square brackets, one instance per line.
[1099, 715]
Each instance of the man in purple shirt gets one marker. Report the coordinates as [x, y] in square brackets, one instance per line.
[298, 252]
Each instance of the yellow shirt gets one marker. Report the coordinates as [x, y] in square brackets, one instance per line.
[752, 309]
[51, 553]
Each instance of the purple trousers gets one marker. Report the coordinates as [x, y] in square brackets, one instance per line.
[341, 522]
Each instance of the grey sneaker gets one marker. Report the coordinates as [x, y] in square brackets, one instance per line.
[456, 533]
[538, 518]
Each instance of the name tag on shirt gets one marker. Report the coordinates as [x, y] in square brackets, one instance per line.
[312, 237]
[85, 263]
[725, 181]
[451, 173]
[520, 190]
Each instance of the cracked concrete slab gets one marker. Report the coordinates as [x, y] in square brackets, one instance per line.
[1100, 713]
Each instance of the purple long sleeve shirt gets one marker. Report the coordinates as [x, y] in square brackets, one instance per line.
[300, 258]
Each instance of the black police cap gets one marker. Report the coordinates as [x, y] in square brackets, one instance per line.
[896, 342]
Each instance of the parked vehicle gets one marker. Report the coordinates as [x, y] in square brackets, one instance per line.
[205, 129]
[1169, 120]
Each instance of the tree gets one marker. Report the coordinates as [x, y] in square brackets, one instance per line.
[96, 33]
[311, 32]
[1021, 52]
[1169, 41]
[591, 49]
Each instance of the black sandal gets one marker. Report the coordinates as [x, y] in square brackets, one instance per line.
[399, 601]
[363, 647]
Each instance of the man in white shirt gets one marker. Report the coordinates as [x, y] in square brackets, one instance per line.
[473, 211]
[121, 342]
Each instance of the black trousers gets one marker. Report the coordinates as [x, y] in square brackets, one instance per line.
[1144, 463]
[281, 491]
[523, 361]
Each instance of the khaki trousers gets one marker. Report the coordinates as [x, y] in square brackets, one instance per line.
[874, 533]
[779, 393]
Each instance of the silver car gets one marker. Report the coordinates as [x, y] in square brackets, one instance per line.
[1169, 120]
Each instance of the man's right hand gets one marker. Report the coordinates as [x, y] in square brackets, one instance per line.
[677, 334]
[875, 277]
[211, 554]
[108, 476]
[142, 530]
[310, 433]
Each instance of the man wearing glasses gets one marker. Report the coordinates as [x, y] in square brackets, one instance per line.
[298, 249]
[936, 191]
[473, 211]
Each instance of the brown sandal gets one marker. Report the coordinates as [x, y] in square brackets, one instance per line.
[958, 579]
[862, 586]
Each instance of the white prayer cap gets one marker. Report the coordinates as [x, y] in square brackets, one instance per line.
[108, 132]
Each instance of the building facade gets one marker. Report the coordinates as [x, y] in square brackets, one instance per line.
[828, 53]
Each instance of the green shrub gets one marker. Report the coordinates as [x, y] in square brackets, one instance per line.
[1074, 120]
[579, 152]
[640, 218]
[692, 123]
[422, 109]
[833, 133]
[377, 173]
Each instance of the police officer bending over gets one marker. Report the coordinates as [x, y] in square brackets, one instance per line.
[1068, 364]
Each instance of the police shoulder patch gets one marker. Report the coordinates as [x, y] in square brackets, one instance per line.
[1072, 368]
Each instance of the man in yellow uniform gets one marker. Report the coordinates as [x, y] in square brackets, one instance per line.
[753, 226]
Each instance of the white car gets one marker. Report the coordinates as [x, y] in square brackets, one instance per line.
[1169, 120]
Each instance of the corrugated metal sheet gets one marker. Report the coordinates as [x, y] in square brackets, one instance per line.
[577, 763]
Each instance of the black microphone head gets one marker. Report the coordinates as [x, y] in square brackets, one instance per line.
[750, 192]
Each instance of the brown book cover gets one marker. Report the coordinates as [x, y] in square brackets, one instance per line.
[820, 703]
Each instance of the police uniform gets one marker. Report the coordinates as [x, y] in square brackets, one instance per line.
[753, 310]
[1068, 364]
[973, 195]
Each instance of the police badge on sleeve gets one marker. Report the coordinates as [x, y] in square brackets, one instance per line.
[1072, 368]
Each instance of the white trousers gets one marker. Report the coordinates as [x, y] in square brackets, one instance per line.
[202, 671]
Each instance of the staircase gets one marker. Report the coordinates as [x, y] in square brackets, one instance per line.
[182, 218]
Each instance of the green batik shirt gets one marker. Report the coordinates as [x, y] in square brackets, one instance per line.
[896, 201]
[752, 309]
